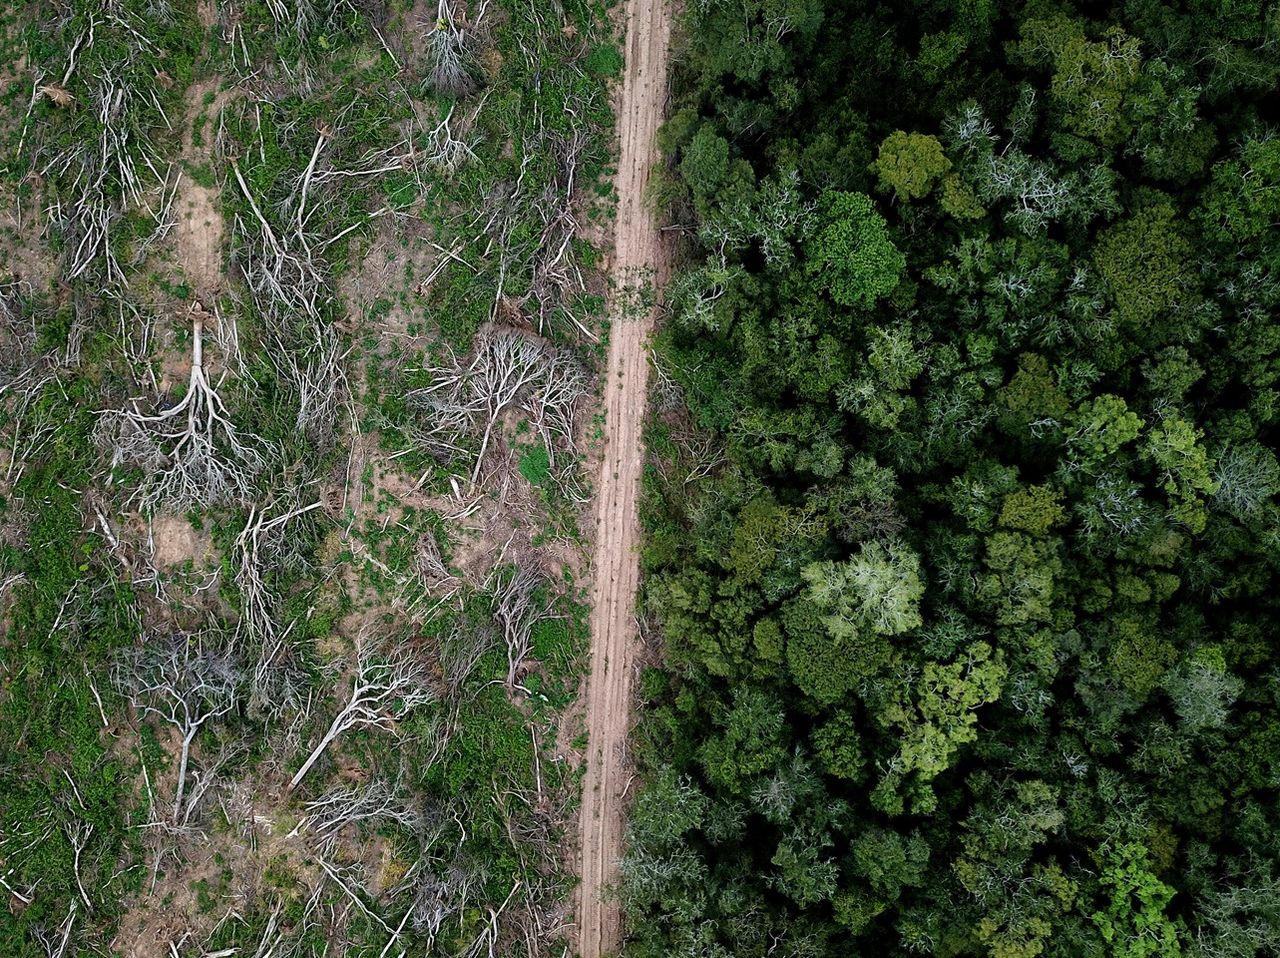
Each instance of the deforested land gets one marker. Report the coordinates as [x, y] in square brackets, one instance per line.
[303, 308]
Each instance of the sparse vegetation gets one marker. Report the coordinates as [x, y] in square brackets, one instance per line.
[281, 671]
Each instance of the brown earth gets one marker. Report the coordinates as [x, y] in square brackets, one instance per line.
[615, 639]
[199, 226]
[176, 541]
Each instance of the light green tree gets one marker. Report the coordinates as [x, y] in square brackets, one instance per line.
[1134, 923]
[1145, 262]
[878, 590]
[1091, 78]
[935, 719]
[910, 164]
[851, 254]
[1184, 469]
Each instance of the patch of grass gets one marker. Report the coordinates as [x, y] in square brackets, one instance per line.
[535, 465]
[604, 61]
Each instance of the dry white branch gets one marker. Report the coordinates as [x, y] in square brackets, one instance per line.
[445, 150]
[260, 545]
[388, 684]
[343, 806]
[55, 945]
[461, 649]
[447, 45]
[183, 681]
[466, 402]
[516, 614]
[192, 452]
[78, 832]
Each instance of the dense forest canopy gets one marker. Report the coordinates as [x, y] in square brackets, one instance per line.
[962, 530]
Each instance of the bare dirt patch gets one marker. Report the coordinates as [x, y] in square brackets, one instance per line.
[199, 227]
[615, 639]
[386, 283]
[198, 234]
[23, 253]
[175, 541]
[216, 875]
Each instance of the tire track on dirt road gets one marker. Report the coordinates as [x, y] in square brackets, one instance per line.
[637, 260]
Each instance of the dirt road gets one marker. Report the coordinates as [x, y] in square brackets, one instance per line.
[638, 260]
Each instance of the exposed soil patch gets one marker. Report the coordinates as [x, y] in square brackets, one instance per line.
[23, 253]
[176, 541]
[383, 291]
[199, 227]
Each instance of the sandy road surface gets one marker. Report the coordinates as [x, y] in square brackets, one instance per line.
[615, 569]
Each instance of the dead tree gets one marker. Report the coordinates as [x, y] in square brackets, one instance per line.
[552, 403]
[666, 393]
[208, 777]
[109, 165]
[284, 263]
[184, 681]
[461, 400]
[314, 364]
[19, 334]
[261, 544]
[445, 150]
[282, 266]
[296, 15]
[441, 886]
[79, 831]
[388, 684]
[461, 649]
[433, 904]
[449, 74]
[277, 682]
[16, 844]
[271, 944]
[55, 944]
[135, 328]
[466, 402]
[349, 882]
[428, 564]
[193, 453]
[485, 944]
[29, 426]
[516, 613]
[555, 272]
[341, 807]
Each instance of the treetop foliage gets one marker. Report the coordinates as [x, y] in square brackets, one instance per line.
[969, 596]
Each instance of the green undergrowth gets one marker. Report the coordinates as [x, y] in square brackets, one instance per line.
[60, 624]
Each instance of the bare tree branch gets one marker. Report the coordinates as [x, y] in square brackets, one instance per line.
[507, 367]
[185, 682]
[515, 612]
[193, 452]
[387, 686]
